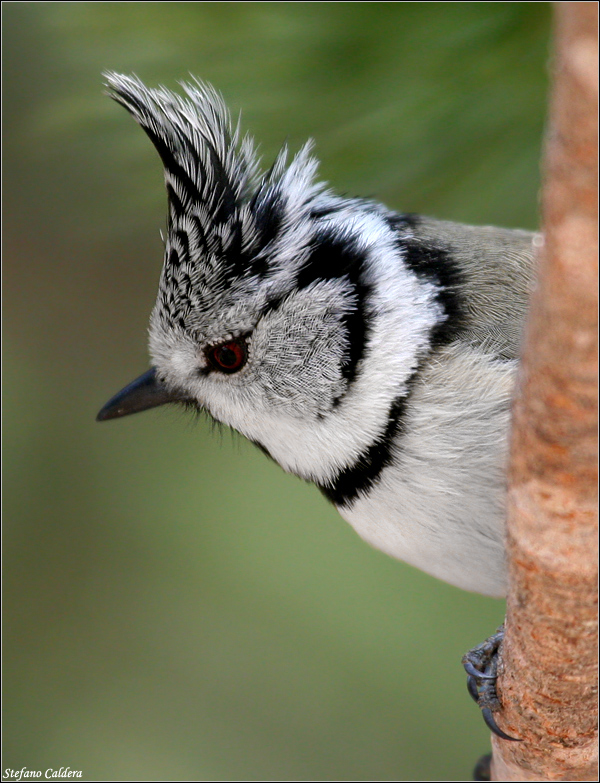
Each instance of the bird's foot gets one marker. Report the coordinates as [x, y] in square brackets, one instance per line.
[481, 666]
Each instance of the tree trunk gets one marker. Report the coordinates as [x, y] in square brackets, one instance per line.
[549, 684]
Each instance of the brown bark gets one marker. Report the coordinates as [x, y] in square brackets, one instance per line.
[549, 685]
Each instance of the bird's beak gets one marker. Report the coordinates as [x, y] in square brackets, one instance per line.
[140, 395]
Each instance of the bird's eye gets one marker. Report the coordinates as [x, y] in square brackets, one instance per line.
[228, 357]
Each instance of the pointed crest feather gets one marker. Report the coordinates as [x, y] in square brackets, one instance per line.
[226, 218]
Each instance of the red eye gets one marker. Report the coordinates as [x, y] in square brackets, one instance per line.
[228, 357]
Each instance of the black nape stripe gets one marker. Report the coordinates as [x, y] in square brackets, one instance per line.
[436, 265]
[404, 220]
[332, 257]
[360, 477]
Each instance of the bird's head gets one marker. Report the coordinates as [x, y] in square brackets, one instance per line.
[283, 310]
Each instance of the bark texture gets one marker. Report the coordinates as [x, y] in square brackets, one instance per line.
[549, 685]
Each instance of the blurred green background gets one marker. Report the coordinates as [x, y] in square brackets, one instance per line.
[176, 607]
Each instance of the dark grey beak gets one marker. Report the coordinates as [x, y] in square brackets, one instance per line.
[142, 394]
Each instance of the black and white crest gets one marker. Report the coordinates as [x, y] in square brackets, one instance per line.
[227, 220]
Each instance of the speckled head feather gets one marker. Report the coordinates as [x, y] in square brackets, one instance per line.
[227, 220]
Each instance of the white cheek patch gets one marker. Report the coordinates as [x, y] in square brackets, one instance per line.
[181, 362]
[284, 397]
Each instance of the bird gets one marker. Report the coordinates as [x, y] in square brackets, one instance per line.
[371, 352]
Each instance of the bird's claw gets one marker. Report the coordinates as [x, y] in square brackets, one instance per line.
[481, 665]
[490, 722]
